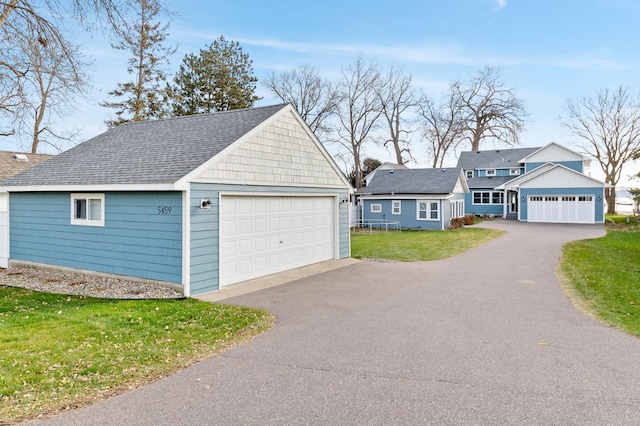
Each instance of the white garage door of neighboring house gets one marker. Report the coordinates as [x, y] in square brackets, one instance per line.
[264, 235]
[4, 231]
[561, 209]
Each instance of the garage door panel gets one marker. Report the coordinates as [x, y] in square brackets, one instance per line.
[561, 209]
[285, 233]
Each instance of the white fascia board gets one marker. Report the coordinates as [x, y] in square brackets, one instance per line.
[463, 180]
[92, 188]
[253, 183]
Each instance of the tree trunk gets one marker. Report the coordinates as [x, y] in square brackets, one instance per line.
[611, 200]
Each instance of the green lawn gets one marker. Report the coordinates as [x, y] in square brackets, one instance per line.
[60, 351]
[604, 275]
[411, 246]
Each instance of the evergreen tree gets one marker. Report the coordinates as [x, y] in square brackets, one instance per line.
[220, 78]
[143, 98]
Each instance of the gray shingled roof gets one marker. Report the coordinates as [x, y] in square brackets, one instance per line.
[151, 152]
[488, 182]
[413, 181]
[493, 159]
[11, 165]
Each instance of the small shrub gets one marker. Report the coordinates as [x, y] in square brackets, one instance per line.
[469, 219]
[456, 223]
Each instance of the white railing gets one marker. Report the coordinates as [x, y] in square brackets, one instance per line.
[378, 225]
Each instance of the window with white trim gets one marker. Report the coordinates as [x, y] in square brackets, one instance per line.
[428, 210]
[488, 197]
[457, 209]
[87, 209]
[469, 174]
[491, 172]
[396, 207]
[514, 172]
[376, 208]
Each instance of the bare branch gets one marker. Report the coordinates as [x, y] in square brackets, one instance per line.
[608, 124]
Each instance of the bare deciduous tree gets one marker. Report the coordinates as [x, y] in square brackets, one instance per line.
[48, 90]
[396, 95]
[359, 110]
[44, 20]
[442, 127]
[609, 126]
[314, 98]
[489, 109]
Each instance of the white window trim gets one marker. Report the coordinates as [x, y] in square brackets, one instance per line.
[457, 209]
[428, 202]
[514, 172]
[490, 203]
[395, 203]
[87, 221]
[490, 172]
[376, 208]
[469, 172]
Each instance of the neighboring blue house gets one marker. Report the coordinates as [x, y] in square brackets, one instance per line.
[546, 184]
[416, 198]
[196, 202]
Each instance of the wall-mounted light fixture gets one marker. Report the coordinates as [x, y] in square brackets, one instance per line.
[205, 204]
[599, 198]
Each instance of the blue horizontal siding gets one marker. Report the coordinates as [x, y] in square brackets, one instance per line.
[573, 165]
[407, 217]
[135, 240]
[481, 209]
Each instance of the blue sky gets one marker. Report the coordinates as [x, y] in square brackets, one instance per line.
[548, 50]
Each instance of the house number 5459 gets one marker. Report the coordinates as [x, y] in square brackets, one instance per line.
[164, 210]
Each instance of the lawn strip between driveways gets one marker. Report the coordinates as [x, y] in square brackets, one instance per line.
[59, 352]
[412, 246]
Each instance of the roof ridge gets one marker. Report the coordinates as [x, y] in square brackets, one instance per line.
[203, 114]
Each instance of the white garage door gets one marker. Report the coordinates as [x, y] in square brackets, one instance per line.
[561, 209]
[264, 235]
[4, 231]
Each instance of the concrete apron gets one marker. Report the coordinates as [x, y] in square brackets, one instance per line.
[273, 280]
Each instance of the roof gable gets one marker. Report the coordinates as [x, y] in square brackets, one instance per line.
[552, 153]
[152, 152]
[560, 176]
[282, 151]
[416, 181]
[493, 159]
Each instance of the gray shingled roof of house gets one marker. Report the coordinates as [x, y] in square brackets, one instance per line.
[488, 182]
[413, 181]
[12, 163]
[151, 152]
[493, 159]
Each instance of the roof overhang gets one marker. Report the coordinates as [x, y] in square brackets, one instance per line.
[92, 188]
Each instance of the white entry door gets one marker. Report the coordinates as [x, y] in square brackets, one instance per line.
[264, 235]
[561, 209]
[4, 231]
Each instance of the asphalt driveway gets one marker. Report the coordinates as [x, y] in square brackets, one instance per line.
[485, 338]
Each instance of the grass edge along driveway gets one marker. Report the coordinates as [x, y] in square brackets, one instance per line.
[414, 246]
[602, 278]
[59, 352]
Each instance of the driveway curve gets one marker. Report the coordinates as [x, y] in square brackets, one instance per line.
[487, 337]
